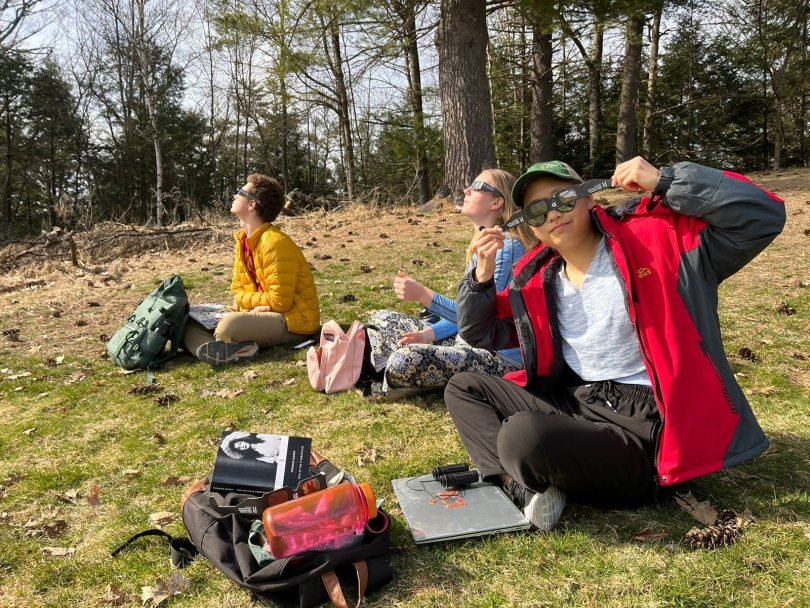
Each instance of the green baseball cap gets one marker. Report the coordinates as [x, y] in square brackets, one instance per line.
[553, 168]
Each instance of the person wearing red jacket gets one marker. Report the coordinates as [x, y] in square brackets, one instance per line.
[625, 386]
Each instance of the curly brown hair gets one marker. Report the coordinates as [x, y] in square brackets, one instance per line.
[270, 194]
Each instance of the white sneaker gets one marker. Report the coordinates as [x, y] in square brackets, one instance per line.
[542, 509]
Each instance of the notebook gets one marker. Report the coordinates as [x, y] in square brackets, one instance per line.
[437, 514]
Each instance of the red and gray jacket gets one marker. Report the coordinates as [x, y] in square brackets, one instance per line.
[670, 259]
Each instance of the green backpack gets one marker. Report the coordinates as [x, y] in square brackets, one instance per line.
[160, 318]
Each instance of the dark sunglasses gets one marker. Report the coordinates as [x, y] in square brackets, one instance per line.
[536, 212]
[252, 508]
[479, 185]
[248, 195]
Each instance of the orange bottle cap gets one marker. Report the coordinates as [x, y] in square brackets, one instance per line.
[371, 500]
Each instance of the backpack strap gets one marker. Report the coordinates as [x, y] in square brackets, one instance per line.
[197, 487]
[332, 584]
[183, 550]
[175, 337]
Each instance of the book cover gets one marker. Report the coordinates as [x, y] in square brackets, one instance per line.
[209, 315]
[255, 463]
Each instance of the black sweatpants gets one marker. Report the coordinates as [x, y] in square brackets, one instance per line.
[593, 441]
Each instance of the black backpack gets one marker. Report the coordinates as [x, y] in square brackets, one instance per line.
[307, 579]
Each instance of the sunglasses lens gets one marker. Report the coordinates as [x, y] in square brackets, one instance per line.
[566, 197]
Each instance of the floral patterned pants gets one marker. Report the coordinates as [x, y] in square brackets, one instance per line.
[424, 365]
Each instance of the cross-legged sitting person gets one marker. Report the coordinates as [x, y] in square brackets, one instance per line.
[418, 354]
[273, 288]
[626, 387]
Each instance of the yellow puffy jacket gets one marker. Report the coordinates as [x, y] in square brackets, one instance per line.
[287, 285]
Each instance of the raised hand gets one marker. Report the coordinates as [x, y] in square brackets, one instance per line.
[486, 247]
[411, 290]
[636, 174]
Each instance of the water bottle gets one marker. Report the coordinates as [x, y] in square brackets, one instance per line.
[330, 519]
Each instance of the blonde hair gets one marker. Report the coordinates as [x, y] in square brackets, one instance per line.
[503, 181]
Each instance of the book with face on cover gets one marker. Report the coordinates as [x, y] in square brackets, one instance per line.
[435, 513]
[256, 463]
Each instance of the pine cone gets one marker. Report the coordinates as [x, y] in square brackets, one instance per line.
[725, 531]
[146, 389]
[166, 399]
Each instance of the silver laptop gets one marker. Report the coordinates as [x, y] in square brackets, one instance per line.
[437, 514]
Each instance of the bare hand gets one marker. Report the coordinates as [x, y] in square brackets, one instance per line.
[411, 290]
[486, 247]
[262, 309]
[423, 336]
[636, 174]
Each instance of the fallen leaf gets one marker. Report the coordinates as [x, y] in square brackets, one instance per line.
[161, 518]
[250, 375]
[744, 518]
[174, 480]
[92, 498]
[5, 517]
[289, 382]
[132, 473]
[59, 551]
[763, 390]
[55, 528]
[162, 591]
[648, 536]
[113, 596]
[20, 375]
[58, 360]
[231, 426]
[366, 455]
[127, 372]
[12, 479]
[157, 437]
[741, 474]
[701, 511]
[755, 563]
[71, 495]
[300, 363]
[230, 393]
[30, 431]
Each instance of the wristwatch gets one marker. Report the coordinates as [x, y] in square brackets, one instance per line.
[664, 182]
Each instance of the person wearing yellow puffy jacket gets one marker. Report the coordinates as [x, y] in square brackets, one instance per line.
[274, 292]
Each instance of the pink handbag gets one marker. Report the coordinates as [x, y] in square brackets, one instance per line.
[337, 363]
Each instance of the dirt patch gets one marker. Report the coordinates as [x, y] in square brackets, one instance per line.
[61, 309]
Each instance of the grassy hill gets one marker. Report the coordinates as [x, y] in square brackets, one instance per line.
[76, 447]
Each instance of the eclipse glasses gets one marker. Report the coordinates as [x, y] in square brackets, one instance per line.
[536, 212]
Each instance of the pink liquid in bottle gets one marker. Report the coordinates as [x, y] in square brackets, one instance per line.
[329, 519]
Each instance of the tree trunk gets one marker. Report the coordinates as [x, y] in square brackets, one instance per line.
[541, 123]
[9, 161]
[652, 78]
[343, 108]
[461, 39]
[150, 106]
[594, 65]
[285, 171]
[626, 130]
[415, 88]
